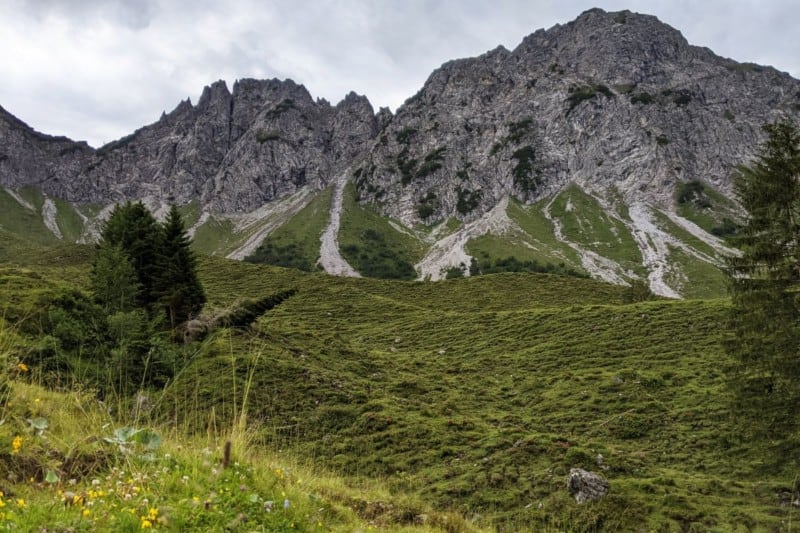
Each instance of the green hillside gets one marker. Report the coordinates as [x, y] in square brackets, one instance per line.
[480, 394]
[468, 400]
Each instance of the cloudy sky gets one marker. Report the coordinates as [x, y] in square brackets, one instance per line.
[96, 70]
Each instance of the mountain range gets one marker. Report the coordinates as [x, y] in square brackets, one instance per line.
[605, 147]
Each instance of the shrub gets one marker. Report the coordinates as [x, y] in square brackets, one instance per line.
[404, 136]
[285, 105]
[517, 130]
[427, 205]
[455, 272]
[290, 255]
[526, 176]
[693, 191]
[682, 97]
[468, 200]
[642, 98]
[263, 136]
[406, 166]
[580, 93]
[726, 228]
[431, 163]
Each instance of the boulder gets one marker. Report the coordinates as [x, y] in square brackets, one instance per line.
[586, 486]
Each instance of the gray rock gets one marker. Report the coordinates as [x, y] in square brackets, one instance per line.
[618, 103]
[233, 152]
[586, 486]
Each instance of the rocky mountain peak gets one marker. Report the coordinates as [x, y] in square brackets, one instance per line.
[612, 101]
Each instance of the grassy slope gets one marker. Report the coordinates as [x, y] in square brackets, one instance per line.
[16, 219]
[216, 237]
[481, 394]
[585, 222]
[536, 242]
[693, 277]
[370, 244]
[710, 217]
[302, 232]
[180, 486]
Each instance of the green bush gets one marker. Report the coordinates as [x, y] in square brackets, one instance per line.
[406, 166]
[455, 272]
[263, 136]
[468, 200]
[526, 176]
[642, 98]
[511, 264]
[290, 255]
[285, 105]
[682, 97]
[518, 130]
[432, 162]
[727, 228]
[693, 191]
[427, 205]
[376, 259]
[404, 136]
[581, 93]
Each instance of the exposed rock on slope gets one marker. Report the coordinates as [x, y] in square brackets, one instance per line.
[613, 110]
[612, 101]
[233, 151]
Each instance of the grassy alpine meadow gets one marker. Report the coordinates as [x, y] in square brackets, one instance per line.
[360, 404]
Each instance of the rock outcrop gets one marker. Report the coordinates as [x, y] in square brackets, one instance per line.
[233, 151]
[618, 103]
[586, 486]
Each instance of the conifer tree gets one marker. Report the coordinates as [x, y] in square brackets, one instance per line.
[113, 279]
[178, 288]
[133, 228]
[765, 315]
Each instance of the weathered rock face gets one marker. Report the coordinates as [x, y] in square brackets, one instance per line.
[618, 103]
[232, 151]
[586, 486]
[31, 158]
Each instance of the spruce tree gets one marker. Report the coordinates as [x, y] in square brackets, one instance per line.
[764, 339]
[114, 280]
[133, 228]
[179, 290]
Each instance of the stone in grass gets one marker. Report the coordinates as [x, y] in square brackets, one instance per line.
[586, 486]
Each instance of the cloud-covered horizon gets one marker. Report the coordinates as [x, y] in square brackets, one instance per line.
[96, 70]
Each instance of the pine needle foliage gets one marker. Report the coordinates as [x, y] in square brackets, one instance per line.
[147, 265]
[178, 288]
[764, 279]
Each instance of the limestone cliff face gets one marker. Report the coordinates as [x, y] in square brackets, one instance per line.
[232, 151]
[618, 103]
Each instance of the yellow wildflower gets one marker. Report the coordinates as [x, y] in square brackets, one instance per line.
[22, 367]
[152, 514]
[146, 524]
[86, 513]
[2, 503]
[16, 444]
[21, 502]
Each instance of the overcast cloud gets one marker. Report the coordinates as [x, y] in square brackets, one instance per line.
[99, 69]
